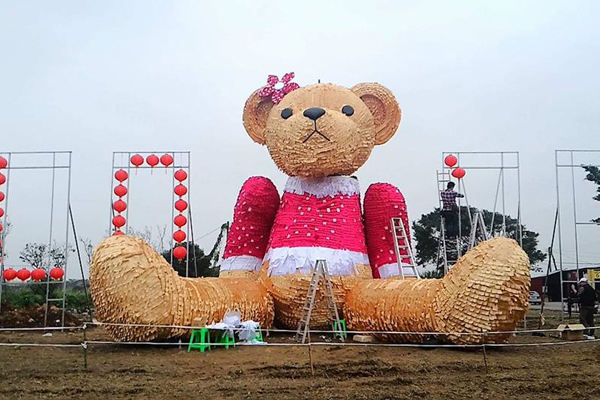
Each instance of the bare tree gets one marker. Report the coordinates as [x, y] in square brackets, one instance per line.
[39, 255]
[88, 248]
[156, 242]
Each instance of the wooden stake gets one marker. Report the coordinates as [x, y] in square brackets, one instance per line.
[484, 356]
[310, 359]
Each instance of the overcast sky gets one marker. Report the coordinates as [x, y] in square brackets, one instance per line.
[101, 76]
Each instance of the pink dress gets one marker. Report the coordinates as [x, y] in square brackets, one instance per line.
[317, 218]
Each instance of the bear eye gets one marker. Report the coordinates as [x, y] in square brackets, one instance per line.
[348, 110]
[285, 114]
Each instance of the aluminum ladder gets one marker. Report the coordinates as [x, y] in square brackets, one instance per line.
[401, 243]
[319, 271]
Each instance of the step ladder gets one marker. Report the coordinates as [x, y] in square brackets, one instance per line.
[319, 272]
[401, 242]
[478, 231]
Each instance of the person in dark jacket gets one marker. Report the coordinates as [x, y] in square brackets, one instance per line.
[450, 210]
[587, 300]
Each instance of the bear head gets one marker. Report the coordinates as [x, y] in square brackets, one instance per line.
[324, 129]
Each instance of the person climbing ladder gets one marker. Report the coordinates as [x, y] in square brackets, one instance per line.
[450, 210]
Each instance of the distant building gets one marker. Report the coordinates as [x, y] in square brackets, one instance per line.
[570, 280]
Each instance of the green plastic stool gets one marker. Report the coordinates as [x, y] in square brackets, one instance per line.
[340, 329]
[227, 340]
[258, 336]
[200, 339]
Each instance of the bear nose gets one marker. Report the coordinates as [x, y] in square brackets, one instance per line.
[314, 113]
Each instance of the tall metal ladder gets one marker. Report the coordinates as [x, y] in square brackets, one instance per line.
[451, 248]
[483, 235]
[401, 243]
[319, 271]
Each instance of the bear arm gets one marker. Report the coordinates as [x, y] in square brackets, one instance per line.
[382, 203]
[253, 216]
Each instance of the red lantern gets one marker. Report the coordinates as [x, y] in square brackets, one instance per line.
[166, 160]
[180, 220]
[458, 173]
[180, 175]
[179, 236]
[180, 205]
[180, 190]
[2, 179]
[152, 160]
[1, 196]
[57, 273]
[121, 175]
[1, 228]
[120, 190]
[119, 206]
[23, 274]
[118, 221]
[179, 253]
[2, 211]
[38, 274]
[118, 233]
[3, 162]
[450, 160]
[137, 160]
[9, 274]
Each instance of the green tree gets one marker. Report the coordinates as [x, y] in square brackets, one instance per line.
[593, 175]
[426, 232]
[199, 263]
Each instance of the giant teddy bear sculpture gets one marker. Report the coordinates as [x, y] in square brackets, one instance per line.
[318, 135]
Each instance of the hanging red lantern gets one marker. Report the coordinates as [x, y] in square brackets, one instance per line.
[166, 160]
[38, 274]
[1, 212]
[137, 160]
[57, 273]
[458, 173]
[179, 252]
[179, 236]
[1, 228]
[1, 196]
[121, 175]
[118, 221]
[2, 179]
[180, 205]
[180, 220]
[180, 190]
[120, 190]
[180, 175]
[118, 233]
[23, 274]
[450, 160]
[3, 162]
[152, 160]
[119, 206]
[9, 274]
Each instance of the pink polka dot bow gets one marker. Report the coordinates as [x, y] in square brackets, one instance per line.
[276, 89]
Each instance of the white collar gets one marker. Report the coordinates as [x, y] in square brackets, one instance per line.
[323, 187]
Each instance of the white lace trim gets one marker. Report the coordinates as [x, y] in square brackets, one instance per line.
[391, 270]
[323, 187]
[243, 263]
[288, 260]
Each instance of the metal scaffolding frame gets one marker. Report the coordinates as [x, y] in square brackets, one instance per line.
[444, 176]
[54, 166]
[576, 223]
[181, 160]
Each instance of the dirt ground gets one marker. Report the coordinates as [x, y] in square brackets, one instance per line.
[256, 372]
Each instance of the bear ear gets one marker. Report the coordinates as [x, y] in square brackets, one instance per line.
[384, 108]
[256, 112]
